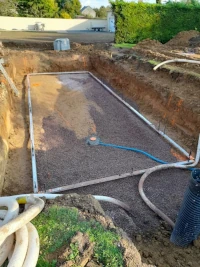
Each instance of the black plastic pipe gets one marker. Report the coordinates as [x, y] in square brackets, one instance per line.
[187, 227]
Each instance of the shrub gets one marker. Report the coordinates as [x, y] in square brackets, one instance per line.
[135, 22]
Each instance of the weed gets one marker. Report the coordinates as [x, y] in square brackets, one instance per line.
[75, 252]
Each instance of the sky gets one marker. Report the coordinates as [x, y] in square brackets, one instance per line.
[98, 3]
[94, 3]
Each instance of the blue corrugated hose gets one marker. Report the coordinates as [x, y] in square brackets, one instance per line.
[137, 151]
[134, 150]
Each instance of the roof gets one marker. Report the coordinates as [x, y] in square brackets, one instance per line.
[85, 7]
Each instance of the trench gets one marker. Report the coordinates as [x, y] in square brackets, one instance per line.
[60, 134]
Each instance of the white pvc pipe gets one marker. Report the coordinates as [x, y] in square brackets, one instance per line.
[176, 60]
[33, 247]
[13, 209]
[21, 220]
[20, 249]
[172, 142]
[53, 196]
[33, 157]
[114, 201]
[3, 214]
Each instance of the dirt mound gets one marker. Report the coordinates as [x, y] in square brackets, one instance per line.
[182, 39]
[195, 41]
[148, 44]
[84, 236]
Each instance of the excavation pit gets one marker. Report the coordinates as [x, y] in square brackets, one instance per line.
[62, 155]
[66, 109]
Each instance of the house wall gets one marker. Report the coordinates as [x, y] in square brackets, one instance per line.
[18, 23]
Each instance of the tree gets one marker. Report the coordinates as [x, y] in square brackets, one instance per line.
[72, 7]
[64, 15]
[38, 8]
[8, 8]
[101, 12]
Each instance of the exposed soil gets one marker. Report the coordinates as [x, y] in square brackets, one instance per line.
[182, 39]
[89, 208]
[168, 97]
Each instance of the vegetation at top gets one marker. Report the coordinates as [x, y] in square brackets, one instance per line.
[57, 225]
[46, 8]
[138, 21]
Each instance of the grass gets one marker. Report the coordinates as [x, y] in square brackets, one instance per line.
[124, 45]
[58, 225]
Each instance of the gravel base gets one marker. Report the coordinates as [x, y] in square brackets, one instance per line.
[69, 159]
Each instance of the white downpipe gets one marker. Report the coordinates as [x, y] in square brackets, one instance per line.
[20, 249]
[176, 60]
[21, 220]
[33, 247]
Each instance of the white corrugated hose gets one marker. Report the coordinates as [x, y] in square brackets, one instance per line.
[19, 240]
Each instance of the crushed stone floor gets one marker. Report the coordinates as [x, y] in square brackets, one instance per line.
[67, 109]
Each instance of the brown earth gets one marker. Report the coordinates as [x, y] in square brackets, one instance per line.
[168, 97]
[182, 39]
[89, 208]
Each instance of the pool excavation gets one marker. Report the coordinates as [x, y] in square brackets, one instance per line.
[73, 131]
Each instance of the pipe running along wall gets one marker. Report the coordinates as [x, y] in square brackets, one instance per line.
[176, 60]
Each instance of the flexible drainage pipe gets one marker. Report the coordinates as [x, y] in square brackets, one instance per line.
[176, 60]
[187, 227]
[15, 224]
[26, 250]
[20, 250]
[159, 168]
[33, 247]
[22, 199]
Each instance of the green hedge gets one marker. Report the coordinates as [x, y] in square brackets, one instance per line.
[135, 22]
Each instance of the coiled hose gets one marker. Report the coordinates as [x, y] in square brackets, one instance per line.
[25, 251]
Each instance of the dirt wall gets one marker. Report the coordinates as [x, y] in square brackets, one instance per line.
[5, 125]
[135, 81]
[157, 99]
[18, 176]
